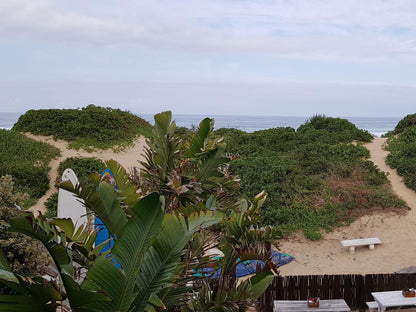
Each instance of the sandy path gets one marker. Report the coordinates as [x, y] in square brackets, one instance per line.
[398, 248]
[129, 158]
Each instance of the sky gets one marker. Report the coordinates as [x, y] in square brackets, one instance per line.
[340, 58]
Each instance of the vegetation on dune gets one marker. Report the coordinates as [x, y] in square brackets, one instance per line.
[24, 254]
[160, 239]
[83, 167]
[91, 126]
[26, 160]
[407, 122]
[316, 177]
[402, 148]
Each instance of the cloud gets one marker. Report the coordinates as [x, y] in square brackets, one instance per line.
[353, 30]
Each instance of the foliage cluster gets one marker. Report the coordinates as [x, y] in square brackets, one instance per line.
[407, 122]
[316, 177]
[402, 154]
[27, 161]
[91, 126]
[82, 166]
[158, 239]
[24, 254]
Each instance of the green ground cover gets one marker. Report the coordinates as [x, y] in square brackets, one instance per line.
[27, 162]
[88, 127]
[402, 147]
[315, 176]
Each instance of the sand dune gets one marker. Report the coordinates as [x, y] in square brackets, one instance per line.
[398, 248]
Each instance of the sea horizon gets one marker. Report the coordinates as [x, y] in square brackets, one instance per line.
[248, 123]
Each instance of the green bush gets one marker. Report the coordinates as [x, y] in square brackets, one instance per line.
[90, 126]
[402, 154]
[315, 177]
[26, 160]
[82, 167]
[407, 122]
[51, 205]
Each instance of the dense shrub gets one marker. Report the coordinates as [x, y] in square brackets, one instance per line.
[90, 126]
[402, 155]
[406, 122]
[315, 177]
[82, 167]
[27, 161]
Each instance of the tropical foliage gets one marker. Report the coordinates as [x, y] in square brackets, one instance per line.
[317, 177]
[26, 160]
[91, 126]
[187, 171]
[402, 148]
[151, 264]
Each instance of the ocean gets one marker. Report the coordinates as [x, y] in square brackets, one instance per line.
[375, 125]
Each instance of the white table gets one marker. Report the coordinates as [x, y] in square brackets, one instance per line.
[333, 305]
[386, 299]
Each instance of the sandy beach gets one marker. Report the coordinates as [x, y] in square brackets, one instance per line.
[326, 256]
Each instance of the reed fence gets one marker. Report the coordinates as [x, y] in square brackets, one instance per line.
[355, 289]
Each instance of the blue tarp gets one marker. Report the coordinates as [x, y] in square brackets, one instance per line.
[249, 267]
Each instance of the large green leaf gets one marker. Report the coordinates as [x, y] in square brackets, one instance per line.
[161, 263]
[197, 142]
[19, 303]
[55, 242]
[211, 161]
[129, 250]
[259, 283]
[163, 125]
[126, 189]
[104, 203]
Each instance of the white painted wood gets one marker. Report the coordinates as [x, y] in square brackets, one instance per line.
[69, 205]
[388, 299]
[352, 243]
[333, 305]
[372, 306]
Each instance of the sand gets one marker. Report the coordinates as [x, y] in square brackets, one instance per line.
[327, 256]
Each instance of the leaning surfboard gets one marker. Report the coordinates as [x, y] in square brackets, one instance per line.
[69, 205]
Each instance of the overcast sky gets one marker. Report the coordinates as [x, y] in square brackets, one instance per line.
[289, 58]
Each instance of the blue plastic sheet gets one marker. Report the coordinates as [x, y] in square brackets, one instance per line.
[249, 267]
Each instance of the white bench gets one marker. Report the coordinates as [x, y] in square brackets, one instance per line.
[352, 243]
[372, 306]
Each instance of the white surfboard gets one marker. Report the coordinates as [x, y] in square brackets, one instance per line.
[69, 205]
